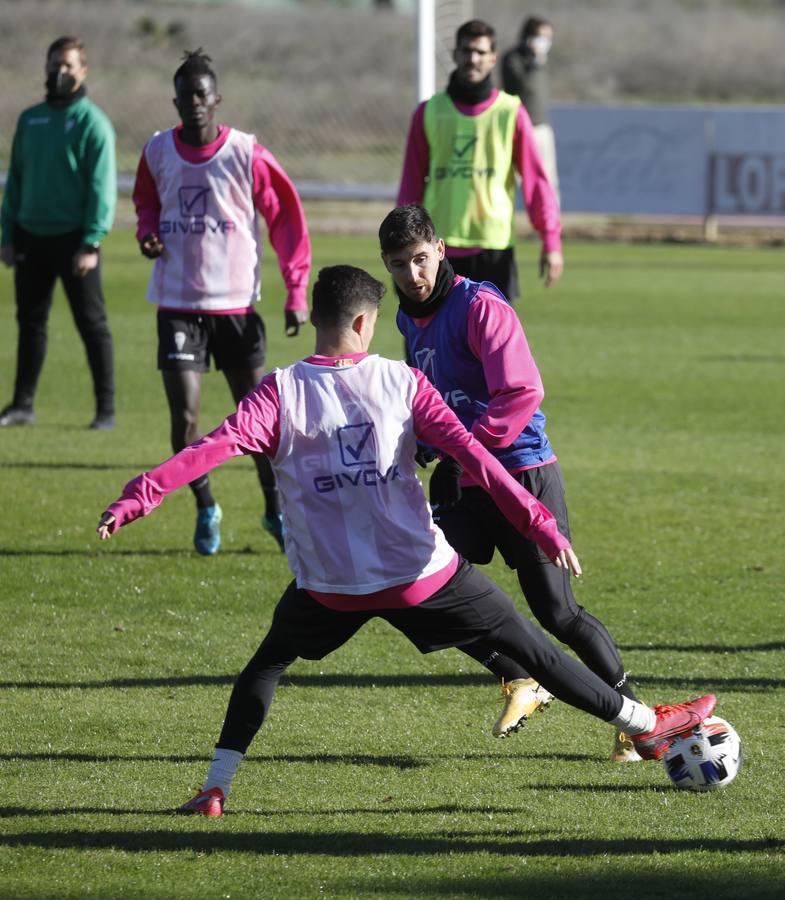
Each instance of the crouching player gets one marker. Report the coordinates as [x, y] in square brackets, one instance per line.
[340, 429]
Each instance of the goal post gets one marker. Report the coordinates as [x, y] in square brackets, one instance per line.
[436, 22]
[426, 49]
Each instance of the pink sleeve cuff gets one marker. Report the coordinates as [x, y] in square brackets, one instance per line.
[551, 241]
[297, 297]
[124, 510]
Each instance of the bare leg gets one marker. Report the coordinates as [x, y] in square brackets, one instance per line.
[184, 394]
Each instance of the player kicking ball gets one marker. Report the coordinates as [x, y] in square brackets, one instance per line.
[470, 343]
[340, 429]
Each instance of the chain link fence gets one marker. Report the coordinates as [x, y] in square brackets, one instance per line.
[330, 88]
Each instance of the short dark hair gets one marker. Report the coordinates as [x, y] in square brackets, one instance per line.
[406, 225]
[341, 293]
[475, 28]
[195, 64]
[68, 42]
[532, 26]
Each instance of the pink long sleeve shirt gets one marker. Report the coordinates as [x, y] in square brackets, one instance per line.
[274, 197]
[496, 337]
[255, 428]
[538, 196]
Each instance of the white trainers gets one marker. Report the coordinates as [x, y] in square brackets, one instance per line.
[522, 698]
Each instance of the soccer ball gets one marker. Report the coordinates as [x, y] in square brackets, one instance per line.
[707, 757]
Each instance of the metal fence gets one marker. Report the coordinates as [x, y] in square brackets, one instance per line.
[328, 90]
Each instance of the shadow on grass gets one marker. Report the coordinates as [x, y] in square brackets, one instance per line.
[707, 648]
[709, 683]
[97, 467]
[337, 680]
[351, 759]
[336, 844]
[744, 358]
[88, 466]
[381, 808]
[100, 553]
[643, 881]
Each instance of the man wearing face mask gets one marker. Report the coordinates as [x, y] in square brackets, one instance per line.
[464, 150]
[525, 73]
[58, 205]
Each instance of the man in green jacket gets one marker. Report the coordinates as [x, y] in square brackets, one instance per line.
[58, 205]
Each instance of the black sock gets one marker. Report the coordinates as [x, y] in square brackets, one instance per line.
[621, 684]
[202, 492]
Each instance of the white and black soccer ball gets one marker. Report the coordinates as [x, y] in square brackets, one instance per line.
[706, 758]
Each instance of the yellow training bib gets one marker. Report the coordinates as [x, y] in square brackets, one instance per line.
[471, 187]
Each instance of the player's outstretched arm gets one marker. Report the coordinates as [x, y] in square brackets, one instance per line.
[253, 428]
[436, 424]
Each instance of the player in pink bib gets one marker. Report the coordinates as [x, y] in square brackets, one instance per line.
[198, 190]
[340, 429]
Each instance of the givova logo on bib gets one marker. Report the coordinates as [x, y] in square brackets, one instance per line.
[357, 448]
[194, 203]
[462, 144]
[357, 445]
[193, 200]
[425, 360]
[462, 163]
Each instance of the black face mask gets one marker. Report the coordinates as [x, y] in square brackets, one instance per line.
[60, 85]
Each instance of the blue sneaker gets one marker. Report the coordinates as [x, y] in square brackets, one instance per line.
[207, 537]
[274, 525]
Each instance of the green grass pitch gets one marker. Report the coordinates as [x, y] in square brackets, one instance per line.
[376, 775]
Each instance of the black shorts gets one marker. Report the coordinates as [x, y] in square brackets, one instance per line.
[496, 266]
[467, 608]
[475, 526]
[186, 341]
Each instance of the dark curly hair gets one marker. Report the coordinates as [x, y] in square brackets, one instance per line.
[195, 63]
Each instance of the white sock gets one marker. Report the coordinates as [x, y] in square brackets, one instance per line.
[635, 717]
[222, 769]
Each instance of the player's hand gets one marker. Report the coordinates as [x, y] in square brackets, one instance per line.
[8, 254]
[423, 456]
[151, 246]
[105, 530]
[445, 489]
[85, 261]
[293, 319]
[551, 266]
[568, 559]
